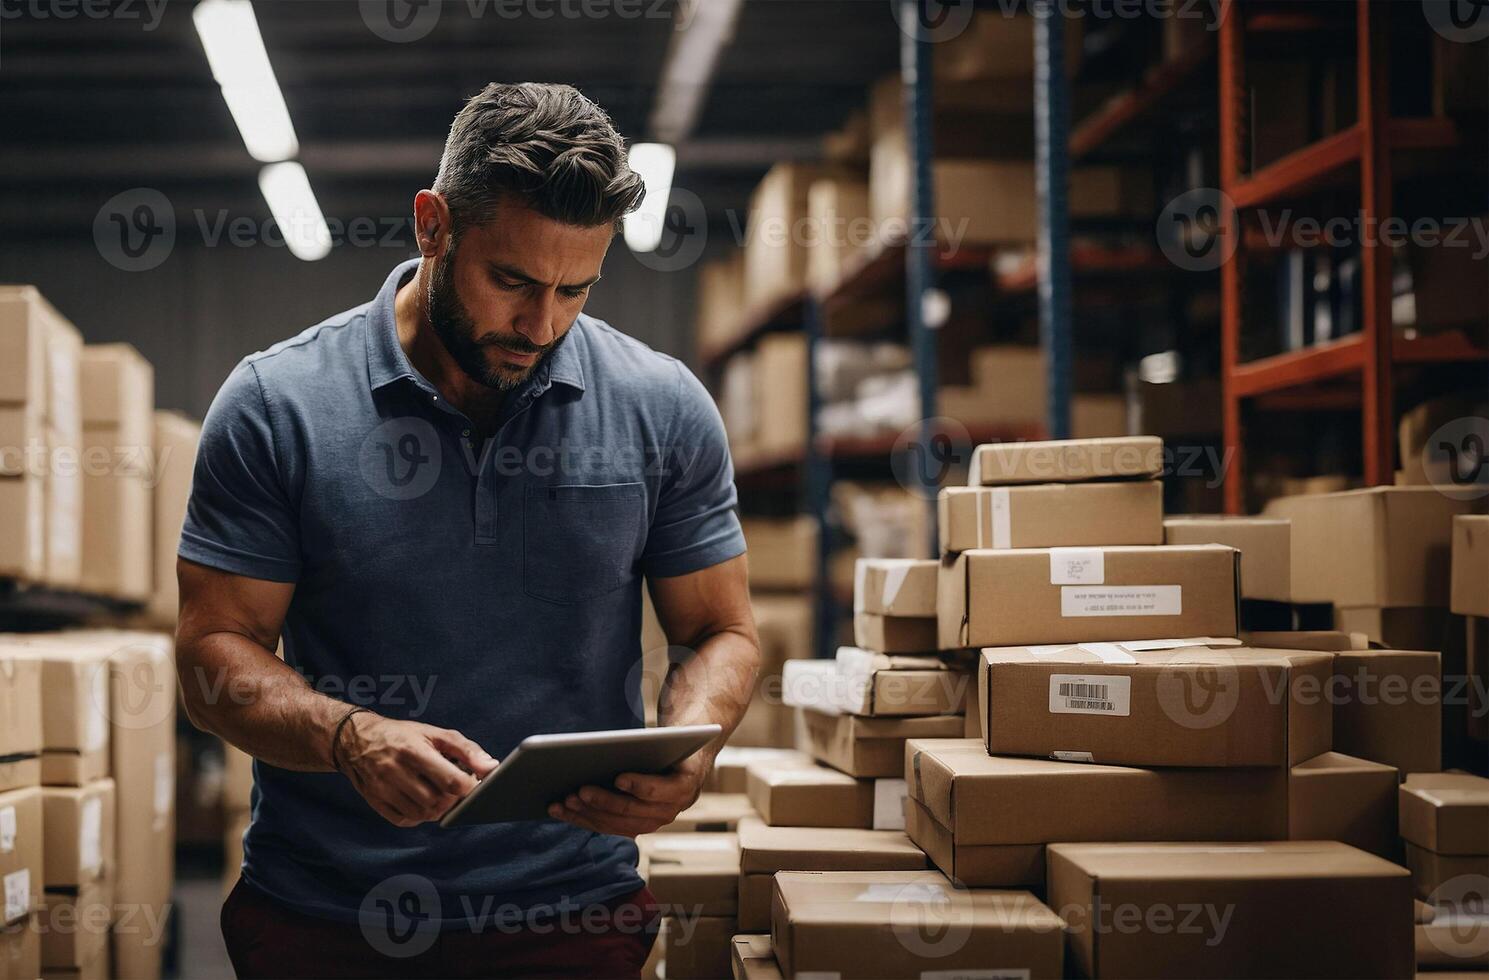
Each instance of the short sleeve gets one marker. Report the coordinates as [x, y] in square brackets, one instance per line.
[240, 518]
[695, 525]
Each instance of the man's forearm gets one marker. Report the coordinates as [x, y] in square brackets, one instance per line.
[714, 685]
[244, 694]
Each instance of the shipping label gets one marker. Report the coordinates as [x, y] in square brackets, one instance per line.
[1077, 566]
[1122, 600]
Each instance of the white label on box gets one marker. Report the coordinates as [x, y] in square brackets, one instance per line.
[695, 842]
[1108, 653]
[889, 803]
[979, 974]
[1122, 600]
[17, 894]
[1077, 566]
[1090, 694]
[165, 786]
[1067, 756]
[1048, 650]
[90, 835]
[999, 518]
[920, 893]
[7, 829]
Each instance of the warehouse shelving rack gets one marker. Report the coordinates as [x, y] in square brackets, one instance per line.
[28, 607]
[1289, 379]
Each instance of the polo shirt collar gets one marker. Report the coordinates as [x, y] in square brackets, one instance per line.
[387, 361]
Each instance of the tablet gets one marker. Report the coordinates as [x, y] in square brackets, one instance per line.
[546, 768]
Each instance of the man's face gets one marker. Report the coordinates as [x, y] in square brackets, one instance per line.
[507, 294]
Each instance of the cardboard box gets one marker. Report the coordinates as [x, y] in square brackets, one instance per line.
[1381, 546]
[1388, 708]
[775, 251]
[692, 872]
[77, 925]
[20, 718]
[699, 948]
[783, 551]
[20, 950]
[99, 968]
[39, 352]
[23, 543]
[754, 958]
[117, 537]
[1404, 627]
[879, 684]
[1010, 383]
[1357, 907]
[728, 774]
[79, 834]
[1338, 797]
[1073, 595]
[1051, 515]
[901, 587]
[987, 799]
[714, 813]
[838, 216]
[857, 924]
[64, 517]
[871, 747]
[176, 438]
[975, 865]
[1265, 545]
[23, 442]
[894, 634]
[1098, 415]
[809, 796]
[976, 200]
[765, 850]
[780, 383]
[1447, 879]
[1458, 941]
[1330, 641]
[1446, 812]
[1192, 706]
[1471, 565]
[1066, 461]
[22, 853]
[720, 300]
[74, 720]
[118, 398]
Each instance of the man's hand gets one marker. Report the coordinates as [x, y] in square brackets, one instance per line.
[638, 804]
[404, 769]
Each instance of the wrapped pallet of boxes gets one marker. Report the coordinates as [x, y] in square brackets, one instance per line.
[81, 870]
[985, 820]
[41, 500]
[118, 436]
[766, 850]
[988, 597]
[20, 718]
[175, 438]
[854, 924]
[1445, 826]
[694, 878]
[22, 875]
[1248, 901]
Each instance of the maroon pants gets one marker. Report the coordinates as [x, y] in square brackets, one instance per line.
[267, 941]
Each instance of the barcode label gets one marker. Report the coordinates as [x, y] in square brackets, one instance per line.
[1090, 694]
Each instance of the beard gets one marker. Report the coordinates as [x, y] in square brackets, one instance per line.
[457, 330]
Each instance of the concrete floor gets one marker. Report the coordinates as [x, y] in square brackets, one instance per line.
[201, 955]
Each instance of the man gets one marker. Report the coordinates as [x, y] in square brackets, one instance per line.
[443, 502]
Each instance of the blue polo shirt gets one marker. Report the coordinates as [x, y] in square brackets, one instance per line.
[495, 590]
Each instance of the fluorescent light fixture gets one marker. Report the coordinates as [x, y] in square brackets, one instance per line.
[654, 162]
[235, 50]
[295, 210]
[705, 27]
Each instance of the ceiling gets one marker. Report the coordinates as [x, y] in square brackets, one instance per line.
[119, 95]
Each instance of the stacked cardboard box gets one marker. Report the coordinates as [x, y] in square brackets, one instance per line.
[1445, 825]
[81, 871]
[41, 500]
[695, 879]
[175, 441]
[1265, 545]
[22, 854]
[118, 445]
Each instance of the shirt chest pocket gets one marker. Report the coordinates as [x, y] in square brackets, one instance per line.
[579, 542]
